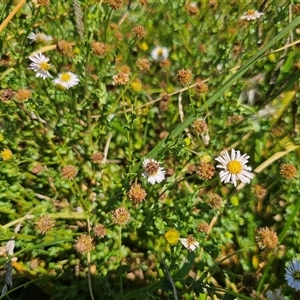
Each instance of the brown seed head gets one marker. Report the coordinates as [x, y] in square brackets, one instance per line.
[165, 64]
[121, 216]
[296, 9]
[23, 95]
[199, 127]
[65, 48]
[69, 172]
[143, 2]
[206, 170]
[214, 201]
[44, 224]
[191, 9]
[203, 227]
[125, 69]
[213, 4]
[164, 103]
[37, 168]
[99, 48]
[201, 88]
[97, 157]
[143, 64]
[115, 4]
[136, 193]
[6, 95]
[139, 31]
[288, 171]
[42, 2]
[121, 78]
[99, 230]
[266, 238]
[184, 76]
[84, 244]
[259, 191]
[5, 60]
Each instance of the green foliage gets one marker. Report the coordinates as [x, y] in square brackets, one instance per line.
[80, 216]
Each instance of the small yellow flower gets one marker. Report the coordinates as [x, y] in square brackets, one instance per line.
[6, 154]
[136, 85]
[172, 236]
[143, 46]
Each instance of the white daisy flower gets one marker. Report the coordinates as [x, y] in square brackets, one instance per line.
[189, 243]
[39, 64]
[251, 15]
[160, 53]
[235, 167]
[276, 295]
[39, 38]
[67, 80]
[153, 171]
[292, 274]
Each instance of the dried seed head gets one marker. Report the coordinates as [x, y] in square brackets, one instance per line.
[201, 88]
[6, 95]
[214, 201]
[44, 224]
[121, 78]
[99, 48]
[5, 60]
[288, 171]
[165, 64]
[206, 170]
[259, 191]
[69, 172]
[213, 4]
[6, 154]
[115, 4]
[137, 194]
[191, 8]
[121, 216]
[97, 157]
[267, 238]
[37, 168]
[41, 2]
[296, 9]
[143, 64]
[99, 230]
[125, 69]
[203, 227]
[199, 127]
[65, 48]
[23, 95]
[84, 244]
[139, 31]
[164, 103]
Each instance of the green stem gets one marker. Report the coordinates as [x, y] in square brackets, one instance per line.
[120, 261]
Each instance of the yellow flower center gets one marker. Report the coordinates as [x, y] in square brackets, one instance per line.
[234, 167]
[65, 77]
[251, 12]
[296, 275]
[40, 38]
[44, 66]
[159, 52]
